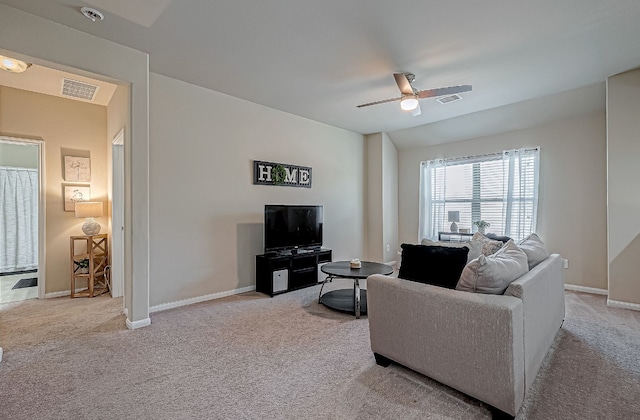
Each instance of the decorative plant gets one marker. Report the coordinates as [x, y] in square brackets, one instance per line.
[481, 224]
[278, 174]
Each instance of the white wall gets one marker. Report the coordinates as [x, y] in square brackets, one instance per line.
[374, 181]
[382, 198]
[389, 199]
[572, 208]
[206, 216]
[623, 149]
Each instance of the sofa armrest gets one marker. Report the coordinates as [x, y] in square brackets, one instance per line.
[464, 340]
[542, 294]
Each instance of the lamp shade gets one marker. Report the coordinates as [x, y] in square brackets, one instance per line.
[88, 209]
[454, 216]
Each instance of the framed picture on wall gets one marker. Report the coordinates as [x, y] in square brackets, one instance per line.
[73, 194]
[77, 169]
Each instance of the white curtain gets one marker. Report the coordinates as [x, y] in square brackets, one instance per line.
[521, 183]
[18, 219]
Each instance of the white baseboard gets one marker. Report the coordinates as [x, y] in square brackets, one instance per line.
[0, 354]
[138, 324]
[190, 301]
[623, 305]
[125, 311]
[62, 293]
[592, 290]
[391, 263]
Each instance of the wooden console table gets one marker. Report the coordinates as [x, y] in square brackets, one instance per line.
[94, 251]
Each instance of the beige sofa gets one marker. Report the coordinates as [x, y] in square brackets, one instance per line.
[487, 346]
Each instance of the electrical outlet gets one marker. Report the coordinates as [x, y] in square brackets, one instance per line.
[565, 262]
[388, 247]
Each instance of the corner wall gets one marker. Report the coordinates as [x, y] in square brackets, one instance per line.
[382, 198]
[206, 216]
[572, 208]
[623, 150]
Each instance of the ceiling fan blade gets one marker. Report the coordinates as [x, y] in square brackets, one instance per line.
[432, 93]
[379, 102]
[403, 83]
[416, 111]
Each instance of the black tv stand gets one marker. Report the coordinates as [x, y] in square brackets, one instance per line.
[279, 272]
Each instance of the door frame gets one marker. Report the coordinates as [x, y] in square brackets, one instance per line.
[42, 210]
[117, 215]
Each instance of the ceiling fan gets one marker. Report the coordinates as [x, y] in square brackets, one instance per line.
[410, 95]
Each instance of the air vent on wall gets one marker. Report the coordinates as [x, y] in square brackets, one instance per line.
[77, 89]
[449, 99]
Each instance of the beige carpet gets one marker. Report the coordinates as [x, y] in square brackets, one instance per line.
[255, 357]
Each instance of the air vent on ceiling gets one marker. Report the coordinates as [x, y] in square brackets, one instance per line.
[77, 89]
[449, 99]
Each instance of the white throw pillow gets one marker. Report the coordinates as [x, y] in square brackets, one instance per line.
[535, 249]
[489, 246]
[475, 247]
[493, 274]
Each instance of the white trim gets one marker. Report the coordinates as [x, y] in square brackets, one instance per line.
[583, 289]
[42, 209]
[125, 311]
[391, 263]
[117, 216]
[132, 325]
[118, 139]
[0, 354]
[62, 293]
[623, 305]
[190, 301]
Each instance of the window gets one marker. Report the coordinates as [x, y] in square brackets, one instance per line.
[501, 189]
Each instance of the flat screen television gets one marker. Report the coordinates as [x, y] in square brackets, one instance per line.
[289, 227]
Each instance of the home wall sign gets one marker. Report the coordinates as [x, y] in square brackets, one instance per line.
[284, 174]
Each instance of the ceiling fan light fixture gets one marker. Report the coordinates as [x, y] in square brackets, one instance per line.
[13, 65]
[409, 103]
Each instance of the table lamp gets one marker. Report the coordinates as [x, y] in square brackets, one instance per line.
[454, 216]
[89, 210]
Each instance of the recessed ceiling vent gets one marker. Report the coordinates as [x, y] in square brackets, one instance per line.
[76, 89]
[449, 99]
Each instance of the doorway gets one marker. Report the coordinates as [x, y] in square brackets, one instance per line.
[110, 61]
[21, 219]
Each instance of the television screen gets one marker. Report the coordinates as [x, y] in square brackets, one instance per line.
[288, 227]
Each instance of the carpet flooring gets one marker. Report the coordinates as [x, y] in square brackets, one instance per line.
[254, 357]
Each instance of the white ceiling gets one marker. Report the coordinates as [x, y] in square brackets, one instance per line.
[319, 59]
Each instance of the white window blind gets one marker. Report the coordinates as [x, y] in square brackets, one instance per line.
[501, 189]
